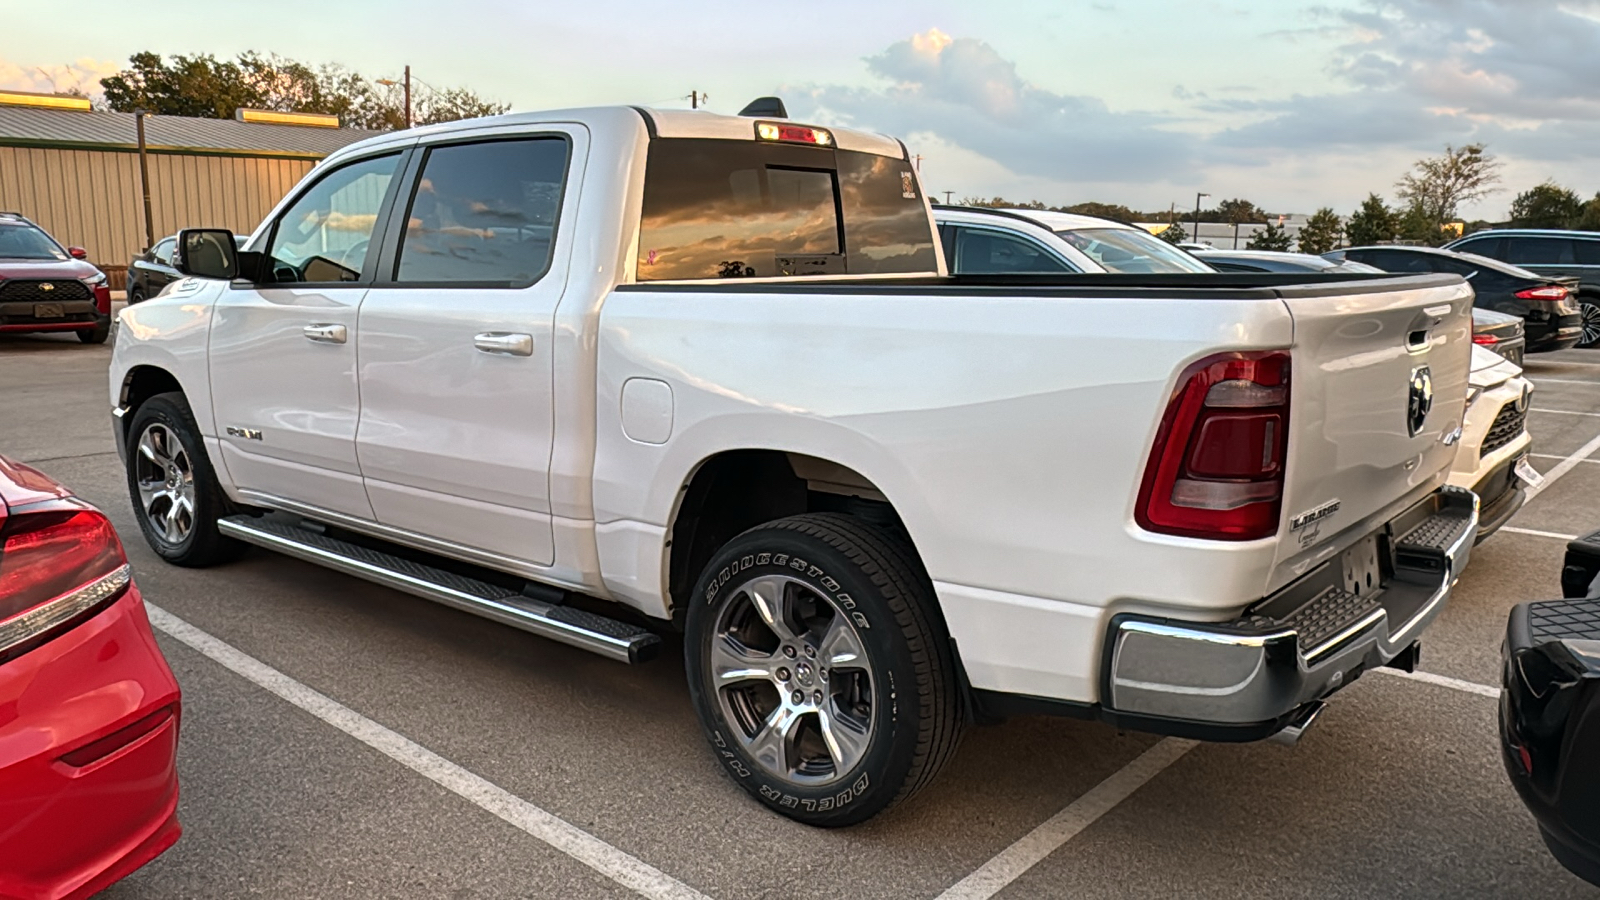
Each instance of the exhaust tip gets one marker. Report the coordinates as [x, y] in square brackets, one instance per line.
[1292, 732]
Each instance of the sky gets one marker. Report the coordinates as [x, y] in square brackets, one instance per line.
[1292, 105]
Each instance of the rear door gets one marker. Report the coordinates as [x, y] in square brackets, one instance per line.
[1379, 387]
[456, 361]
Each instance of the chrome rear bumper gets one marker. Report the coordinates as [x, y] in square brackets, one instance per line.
[1249, 678]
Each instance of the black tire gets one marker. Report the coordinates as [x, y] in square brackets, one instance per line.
[915, 713]
[1590, 307]
[97, 334]
[135, 295]
[201, 544]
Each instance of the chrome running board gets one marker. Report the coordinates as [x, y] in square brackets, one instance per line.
[579, 628]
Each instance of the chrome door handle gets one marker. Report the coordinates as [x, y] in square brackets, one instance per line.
[504, 343]
[326, 334]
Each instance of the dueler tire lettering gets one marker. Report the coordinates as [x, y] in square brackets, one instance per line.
[877, 582]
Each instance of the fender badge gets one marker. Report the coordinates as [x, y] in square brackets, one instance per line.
[246, 433]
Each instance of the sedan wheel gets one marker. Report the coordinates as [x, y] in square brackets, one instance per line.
[1591, 323]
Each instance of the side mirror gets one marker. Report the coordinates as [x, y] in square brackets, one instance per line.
[207, 253]
[77, 253]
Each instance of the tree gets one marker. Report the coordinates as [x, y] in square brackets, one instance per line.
[1417, 226]
[1373, 223]
[1437, 186]
[206, 87]
[1114, 211]
[1174, 234]
[1590, 219]
[1321, 232]
[1548, 205]
[1274, 237]
[1239, 212]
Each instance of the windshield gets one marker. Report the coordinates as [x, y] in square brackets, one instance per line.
[1132, 252]
[28, 242]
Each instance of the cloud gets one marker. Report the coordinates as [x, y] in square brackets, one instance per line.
[83, 75]
[1405, 78]
[964, 91]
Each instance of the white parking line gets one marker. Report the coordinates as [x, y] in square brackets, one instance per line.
[615, 864]
[1009, 864]
[1540, 380]
[1536, 533]
[1559, 456]
[1455, 684]
[1565, 466]
[1565, 412]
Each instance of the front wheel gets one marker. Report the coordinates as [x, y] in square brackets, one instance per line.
[1590, 308]
[97, 334]
[175, 493]
[820, 671]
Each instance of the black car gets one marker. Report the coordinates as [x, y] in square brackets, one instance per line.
[1550, 711]
[1548, 304]
[152, 270]
[1275, 261]
[1572, 254]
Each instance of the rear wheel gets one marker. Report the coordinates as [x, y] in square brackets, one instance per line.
[175, 493]
[1590, 307]
[823, 680]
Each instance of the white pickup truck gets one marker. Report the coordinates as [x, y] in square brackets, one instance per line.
[603, 374]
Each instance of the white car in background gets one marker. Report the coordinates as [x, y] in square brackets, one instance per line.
[979, 241]
[1492, 450]
[1492, 457]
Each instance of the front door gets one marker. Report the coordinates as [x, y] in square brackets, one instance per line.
[283, 352]
[456, 363]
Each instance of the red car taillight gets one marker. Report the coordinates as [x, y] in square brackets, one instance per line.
[1217, 467]
[58, 560]
[1551, 292]
[1487, 340]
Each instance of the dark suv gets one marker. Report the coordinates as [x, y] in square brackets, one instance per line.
[1575, 254]
[47, 287]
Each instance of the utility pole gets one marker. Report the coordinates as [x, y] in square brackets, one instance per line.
[408, 96]
[916, 162]
[1196, 236]
[947, 197]
[144, 179]
[696, 98]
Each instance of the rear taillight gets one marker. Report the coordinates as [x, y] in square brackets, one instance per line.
[1217, 467]
[1486, 340]
[58, 561]
[1549, 292]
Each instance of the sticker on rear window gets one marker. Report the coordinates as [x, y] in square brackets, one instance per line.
[908, 186]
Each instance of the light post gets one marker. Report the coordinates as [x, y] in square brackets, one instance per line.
[1196, 236]
[389, 82]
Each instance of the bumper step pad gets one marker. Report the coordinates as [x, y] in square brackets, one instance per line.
[580, 628]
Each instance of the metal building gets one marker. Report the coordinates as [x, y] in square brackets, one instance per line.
[76, 173]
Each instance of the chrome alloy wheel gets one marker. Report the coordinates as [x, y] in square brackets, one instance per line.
[165, 477]
[1591, 323]
[793, 680]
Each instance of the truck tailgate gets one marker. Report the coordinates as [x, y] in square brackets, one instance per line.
[1379, 387]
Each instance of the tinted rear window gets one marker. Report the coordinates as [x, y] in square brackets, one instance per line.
[742, 209]
[1549, 251]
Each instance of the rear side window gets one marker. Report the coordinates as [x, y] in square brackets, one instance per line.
[742, 209]
[983, 252]
[1587, 251]
[484, 213]
[1547, 251]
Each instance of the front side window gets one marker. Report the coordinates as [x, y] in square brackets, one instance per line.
[28, 242]
[1132, 252]
[983, 252]
[485, 213]
[743, 209]
[1546, 251]
[163, 251]
[1484, 246]
[326, 234]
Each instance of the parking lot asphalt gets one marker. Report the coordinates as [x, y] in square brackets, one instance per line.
[506, 739]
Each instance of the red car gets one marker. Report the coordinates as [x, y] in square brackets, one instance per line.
[88, 707]
[47, 287]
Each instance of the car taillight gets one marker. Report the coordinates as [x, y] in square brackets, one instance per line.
[1487, 340]
[1217, 467]
[58, 560]
[1550, 292]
